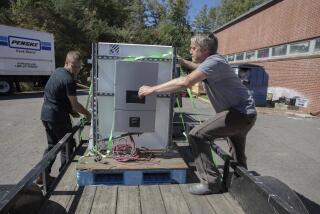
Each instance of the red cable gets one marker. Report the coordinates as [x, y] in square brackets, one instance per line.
[125, 152]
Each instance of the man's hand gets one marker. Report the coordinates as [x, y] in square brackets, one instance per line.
[75, 114]
[145, 90]
[180, 59]
[187, 64]
[88, 117]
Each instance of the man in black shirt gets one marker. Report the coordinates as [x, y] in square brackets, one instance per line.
[60, 99]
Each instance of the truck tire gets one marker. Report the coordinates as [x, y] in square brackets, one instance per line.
[6, 86]
[28, 201]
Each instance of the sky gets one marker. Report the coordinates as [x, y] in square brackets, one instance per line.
[196, 6]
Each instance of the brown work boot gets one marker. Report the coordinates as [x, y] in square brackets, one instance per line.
[50, 179]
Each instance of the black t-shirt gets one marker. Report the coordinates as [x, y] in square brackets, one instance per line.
[56, 106]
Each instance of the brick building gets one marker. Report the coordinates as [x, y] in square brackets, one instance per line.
[284, 37]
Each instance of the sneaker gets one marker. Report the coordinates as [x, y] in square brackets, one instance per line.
[204, 189]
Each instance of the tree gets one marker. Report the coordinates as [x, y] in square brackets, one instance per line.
[214, 17]
[5, 12]
[137, 15]
[155, 12]
[231, 9]
[202, 21]
[175, 29]
[177, 12]
[210, 19]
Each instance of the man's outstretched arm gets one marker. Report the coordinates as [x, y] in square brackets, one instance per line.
[188, 64]
[173, 85]
[77, 107]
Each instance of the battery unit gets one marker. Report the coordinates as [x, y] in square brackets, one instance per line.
[119, 70]
[134, 114]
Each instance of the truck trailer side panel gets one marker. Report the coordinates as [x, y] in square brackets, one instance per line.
[24, 55]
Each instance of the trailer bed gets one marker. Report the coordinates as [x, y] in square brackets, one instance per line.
[67, 197]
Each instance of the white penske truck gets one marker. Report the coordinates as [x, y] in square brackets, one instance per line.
[25, 56]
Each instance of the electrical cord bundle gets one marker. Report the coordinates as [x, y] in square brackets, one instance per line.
[124, 151]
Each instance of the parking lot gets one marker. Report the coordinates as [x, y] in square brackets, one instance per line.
[283, 146]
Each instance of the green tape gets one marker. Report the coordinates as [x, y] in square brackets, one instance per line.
[89, 96]
[191, 98]
[93, 152]
[213, 155]
[82, 122]
[181, 116]
[110, 142]
[155, 56]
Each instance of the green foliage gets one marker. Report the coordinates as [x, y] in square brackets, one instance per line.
[177, 12]
[172, 27]
[202, 22]
[209, 19]
[77, 23]
[230, 9]
[155, 12]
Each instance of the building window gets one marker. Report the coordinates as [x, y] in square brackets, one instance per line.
[279, 50]
[317, 45]
[230, 58]
[240, 56]
[263, 53]
[301, 47]
[250, 55]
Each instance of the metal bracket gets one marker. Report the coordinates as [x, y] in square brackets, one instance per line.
[105, 94]
[163, 95]
[151, 59]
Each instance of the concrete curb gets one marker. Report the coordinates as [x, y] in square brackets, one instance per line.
[273, 111]
[300, 115]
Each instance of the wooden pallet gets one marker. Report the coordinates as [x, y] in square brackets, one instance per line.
[197, 89]
[164, 168]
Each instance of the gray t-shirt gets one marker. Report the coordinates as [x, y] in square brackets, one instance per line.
[224, 88]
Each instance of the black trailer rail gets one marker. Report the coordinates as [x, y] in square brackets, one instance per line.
[255, 193]
[262, 192]
[11, 196]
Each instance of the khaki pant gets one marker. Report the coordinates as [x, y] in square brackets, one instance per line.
[232, 124]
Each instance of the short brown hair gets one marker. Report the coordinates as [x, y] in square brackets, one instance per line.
[73, 55]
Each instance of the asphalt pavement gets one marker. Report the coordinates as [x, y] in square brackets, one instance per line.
[282, 146]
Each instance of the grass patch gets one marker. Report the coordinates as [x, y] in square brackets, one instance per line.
[204, 97]
[29, 86]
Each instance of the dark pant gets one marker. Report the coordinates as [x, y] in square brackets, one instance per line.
[56, 131]
[232, 124]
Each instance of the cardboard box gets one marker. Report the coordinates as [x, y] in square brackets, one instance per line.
[197, 89]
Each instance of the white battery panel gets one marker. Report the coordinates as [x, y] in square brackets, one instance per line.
[108, 55]
[134, 114]
[130, 76]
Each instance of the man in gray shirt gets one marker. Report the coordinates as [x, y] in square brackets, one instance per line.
[232, 101]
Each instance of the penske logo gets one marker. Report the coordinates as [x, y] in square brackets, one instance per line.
[24, 43]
